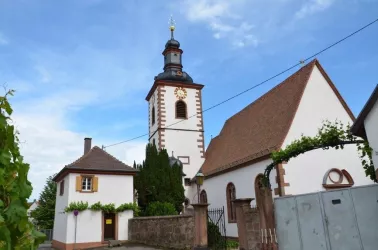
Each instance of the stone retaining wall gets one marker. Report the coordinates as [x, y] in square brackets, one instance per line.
[163, 231]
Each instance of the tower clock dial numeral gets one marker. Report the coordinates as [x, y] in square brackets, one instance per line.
[180, 93]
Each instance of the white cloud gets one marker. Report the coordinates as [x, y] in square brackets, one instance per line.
[87, 77]
[3, 40]
[48, 145]
[220, 16]
[313, 6]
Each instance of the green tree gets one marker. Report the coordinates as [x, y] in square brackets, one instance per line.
[157, 181]
[16, 231]
[44, 213]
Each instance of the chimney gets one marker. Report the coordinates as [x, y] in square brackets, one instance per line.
[87, 145]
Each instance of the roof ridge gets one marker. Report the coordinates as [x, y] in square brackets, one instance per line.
[80, 158]
[114, 158]
[266, 95]
[264, 124]
[312, 66]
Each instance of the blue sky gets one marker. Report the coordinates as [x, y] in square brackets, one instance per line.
[83, 68]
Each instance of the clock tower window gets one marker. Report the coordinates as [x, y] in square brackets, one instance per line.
[181, 111]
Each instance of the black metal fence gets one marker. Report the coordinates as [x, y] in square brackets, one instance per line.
[48, 233]
[216, 228]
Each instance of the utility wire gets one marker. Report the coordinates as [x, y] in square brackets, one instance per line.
[259, 84]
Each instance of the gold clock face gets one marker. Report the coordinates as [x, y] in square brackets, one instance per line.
[180, 93]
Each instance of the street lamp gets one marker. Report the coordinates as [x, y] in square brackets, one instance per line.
[199, 181]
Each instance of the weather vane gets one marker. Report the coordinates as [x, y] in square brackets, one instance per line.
[172, 25]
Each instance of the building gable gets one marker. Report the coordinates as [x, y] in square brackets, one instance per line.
[320, 101]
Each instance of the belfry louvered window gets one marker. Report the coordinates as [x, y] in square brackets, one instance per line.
[153, 115]
[181, 110]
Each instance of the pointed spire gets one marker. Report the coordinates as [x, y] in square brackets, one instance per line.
[172, 26]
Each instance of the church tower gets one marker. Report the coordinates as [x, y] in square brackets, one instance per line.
[175, 111]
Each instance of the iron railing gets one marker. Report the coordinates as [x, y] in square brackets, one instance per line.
[48, 233]
[216, 228]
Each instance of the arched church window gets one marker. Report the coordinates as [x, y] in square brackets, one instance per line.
[203, 197]
[153, 115]
[231, 195]
[181, 110]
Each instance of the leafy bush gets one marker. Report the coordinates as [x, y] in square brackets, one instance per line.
[129, 206]
[158, 208]
[214, 237]
[79, 206]
[232, 244]
[96, 206]
[16, 231]
[108, 208]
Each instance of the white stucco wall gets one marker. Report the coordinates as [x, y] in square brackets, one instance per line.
[305, 172]
[183, 143]
[371, 128]
[88, 227]
[60, 219]
[123, 224]
[244, 181]
[117, 189]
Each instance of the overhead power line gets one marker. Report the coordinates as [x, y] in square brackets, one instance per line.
[259, 84]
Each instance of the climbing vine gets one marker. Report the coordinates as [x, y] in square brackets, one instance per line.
[330, 135]
[106, 208]
[16, 231]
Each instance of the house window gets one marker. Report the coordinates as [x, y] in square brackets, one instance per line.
[86, 184]
[153, 115]
[61, 188]
[231, 195]
[181, 110]
[203, 197]
[187, 181]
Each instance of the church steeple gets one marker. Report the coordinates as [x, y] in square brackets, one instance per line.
[173, 60]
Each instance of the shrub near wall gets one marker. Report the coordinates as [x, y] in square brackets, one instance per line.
[163, 231]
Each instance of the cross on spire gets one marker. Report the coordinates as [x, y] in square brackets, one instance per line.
[172, 26]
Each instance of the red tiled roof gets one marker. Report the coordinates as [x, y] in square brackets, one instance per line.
[96, 160]
[261, 127]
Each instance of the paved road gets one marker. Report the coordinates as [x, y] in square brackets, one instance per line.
[126, 247]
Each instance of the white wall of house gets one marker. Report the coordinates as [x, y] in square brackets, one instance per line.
[88, 227]
[371, 128]
[60, 219]
[244, 181]
[305, 172]
[117, 189]
[32, 207]
[123, 224]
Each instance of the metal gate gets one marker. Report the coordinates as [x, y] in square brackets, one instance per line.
[216, 229]
[344, 219]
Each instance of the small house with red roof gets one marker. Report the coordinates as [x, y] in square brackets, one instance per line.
[235, 160]
[95, 177]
